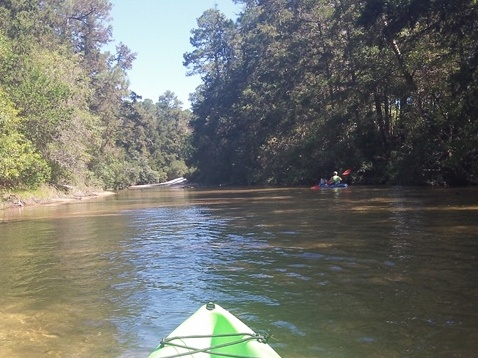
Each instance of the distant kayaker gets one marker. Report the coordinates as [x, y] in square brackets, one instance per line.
[335, 179]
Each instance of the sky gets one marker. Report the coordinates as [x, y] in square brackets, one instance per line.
[158, 31]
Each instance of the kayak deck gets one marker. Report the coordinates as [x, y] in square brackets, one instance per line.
[214, 332]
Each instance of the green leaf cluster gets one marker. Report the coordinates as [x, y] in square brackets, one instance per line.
[20, 165]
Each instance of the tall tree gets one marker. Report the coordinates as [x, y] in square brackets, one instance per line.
[212, 59]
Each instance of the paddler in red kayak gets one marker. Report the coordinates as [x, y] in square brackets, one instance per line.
[335, 179]
[332, 181]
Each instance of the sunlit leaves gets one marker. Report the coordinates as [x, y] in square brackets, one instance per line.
[20, 164]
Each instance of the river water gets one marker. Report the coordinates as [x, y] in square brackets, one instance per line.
[356, 272]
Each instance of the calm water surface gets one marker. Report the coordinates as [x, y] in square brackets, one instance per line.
[357, 272]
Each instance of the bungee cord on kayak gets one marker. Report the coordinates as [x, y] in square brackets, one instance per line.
[262, 338]
[213, 331]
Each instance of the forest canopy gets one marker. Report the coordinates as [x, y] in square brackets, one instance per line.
[67, 115]
[291, 91]
[295, 89]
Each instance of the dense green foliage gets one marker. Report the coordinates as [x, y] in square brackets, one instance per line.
[66, 114]
[291, 90]
[295, 89]
[19, 163]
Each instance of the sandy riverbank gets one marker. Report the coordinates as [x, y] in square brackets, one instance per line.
[49, 196]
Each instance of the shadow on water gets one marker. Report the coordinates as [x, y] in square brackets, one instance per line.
[345, 272]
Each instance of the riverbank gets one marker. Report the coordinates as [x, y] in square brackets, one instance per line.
[53, 195]
[48, 195]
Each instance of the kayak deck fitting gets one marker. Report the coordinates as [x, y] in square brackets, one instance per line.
[214, 332]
